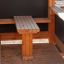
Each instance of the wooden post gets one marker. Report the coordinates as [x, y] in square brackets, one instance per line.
[51, 25]
[27, 46]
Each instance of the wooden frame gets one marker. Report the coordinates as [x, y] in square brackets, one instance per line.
[25, 37]
[49, 20]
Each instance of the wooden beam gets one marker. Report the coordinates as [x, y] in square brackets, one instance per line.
[7, 21]
[42, 20]
[60, 44]
[16, 36]
[51, 25]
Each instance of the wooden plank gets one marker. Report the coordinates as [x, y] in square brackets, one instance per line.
[23, 21]
[26, 24]
[14, 36]
[33, 29]
[35, 25]
[7, 21]
[26, 21]
[21, 24]
[43, 54]
[29, 22]
[42, 20]
[41, 35]
[9, 36]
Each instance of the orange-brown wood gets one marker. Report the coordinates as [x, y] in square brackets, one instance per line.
[51, 3]
[26, 26]
[42, 20]
[51, 25]
[27, 46]
[52, 28]
[16, 36]
[10, 36]
[7, 21]
[41, 35]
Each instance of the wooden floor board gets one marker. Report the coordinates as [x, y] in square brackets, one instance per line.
[42, 54]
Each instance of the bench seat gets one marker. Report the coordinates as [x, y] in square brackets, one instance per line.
[26, 24]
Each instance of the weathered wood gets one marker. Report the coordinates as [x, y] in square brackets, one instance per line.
[43, 54]
[26, 23]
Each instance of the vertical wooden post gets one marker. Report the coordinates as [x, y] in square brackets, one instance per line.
[51, 16]
[27, 46]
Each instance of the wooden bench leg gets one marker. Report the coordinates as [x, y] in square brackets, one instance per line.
[51, 33]
[27, 46]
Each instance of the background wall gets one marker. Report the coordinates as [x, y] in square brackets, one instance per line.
[35, 8]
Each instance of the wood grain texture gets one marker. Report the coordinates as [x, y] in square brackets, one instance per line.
[26, 24]
[42, 20]
[16, 36]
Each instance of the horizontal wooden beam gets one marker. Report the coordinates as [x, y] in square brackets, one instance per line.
[9, 36]
[7, 21]
[12, 21]
[13, 36]
[42, 20]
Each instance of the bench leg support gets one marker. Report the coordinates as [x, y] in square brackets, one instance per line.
[27, 46]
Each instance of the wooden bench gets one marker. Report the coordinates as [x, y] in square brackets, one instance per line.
[26, 26]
